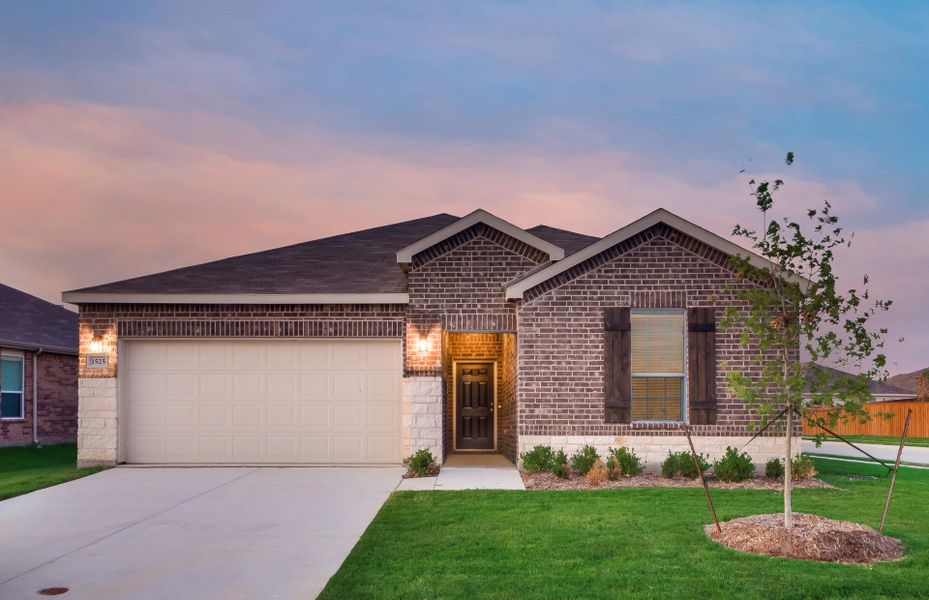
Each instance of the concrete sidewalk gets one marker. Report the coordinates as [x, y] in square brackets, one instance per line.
[470, 472]
[912, 454]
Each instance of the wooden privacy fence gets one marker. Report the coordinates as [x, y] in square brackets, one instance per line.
[879, 425]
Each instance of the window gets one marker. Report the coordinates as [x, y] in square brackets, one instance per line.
[11, 387]
[657, 365]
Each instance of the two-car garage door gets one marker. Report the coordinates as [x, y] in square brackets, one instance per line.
[280, 402]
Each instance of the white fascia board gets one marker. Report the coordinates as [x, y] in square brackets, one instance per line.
[117, 298]
[516, 290]
[405, 256]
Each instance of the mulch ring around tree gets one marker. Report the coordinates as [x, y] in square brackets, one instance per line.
[548, 481]
[811, 538]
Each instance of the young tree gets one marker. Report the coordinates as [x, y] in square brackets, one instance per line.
[795, 303]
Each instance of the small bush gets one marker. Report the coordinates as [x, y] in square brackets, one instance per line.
[613, 471]
[584, 459]
[597, 474]
[802, 469]
[421, 463]
[560, 465]
[682, 464]
[627, 461]
[734, 466]
[538, 459]
[774, 469]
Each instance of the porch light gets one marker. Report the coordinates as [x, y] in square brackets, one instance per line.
[423, 344]
[96, 344]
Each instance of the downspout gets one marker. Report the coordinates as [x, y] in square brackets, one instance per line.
[35, 396]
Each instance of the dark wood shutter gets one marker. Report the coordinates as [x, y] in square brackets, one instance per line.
[701, 367]
[617, 353]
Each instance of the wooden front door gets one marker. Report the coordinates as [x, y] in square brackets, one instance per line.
[474, 406]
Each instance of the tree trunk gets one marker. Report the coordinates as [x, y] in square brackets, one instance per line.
[788, 475]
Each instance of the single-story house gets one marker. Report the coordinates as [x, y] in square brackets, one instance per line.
[456, 334]
[38, 370]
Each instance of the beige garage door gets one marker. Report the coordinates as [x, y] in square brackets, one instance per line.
[306, 401]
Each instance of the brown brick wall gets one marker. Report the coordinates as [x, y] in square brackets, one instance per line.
[560, 356]
[459, 285]
[508, 419]
[471, 346]
[57, 387]
[245, 321]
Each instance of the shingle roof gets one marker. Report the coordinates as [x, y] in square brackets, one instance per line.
[30, 323]
[353, 263]
[570, 241]
[877, 388]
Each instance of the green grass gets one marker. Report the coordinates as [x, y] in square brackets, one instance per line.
[878, 439]
[634, 543]
[26, 469]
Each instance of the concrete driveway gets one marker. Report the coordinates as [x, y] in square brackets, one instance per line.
[189, 533]
[885, 452]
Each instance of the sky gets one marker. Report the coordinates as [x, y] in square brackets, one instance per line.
[137, 137]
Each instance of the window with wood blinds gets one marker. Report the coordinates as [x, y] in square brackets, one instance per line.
[658, 364]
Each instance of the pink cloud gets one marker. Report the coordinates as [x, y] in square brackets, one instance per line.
[96, 193]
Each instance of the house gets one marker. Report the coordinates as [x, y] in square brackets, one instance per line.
[453, 334]
[38, 370]
[881, 391]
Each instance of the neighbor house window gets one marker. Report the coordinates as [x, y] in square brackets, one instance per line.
[11, 387]
[657, 363]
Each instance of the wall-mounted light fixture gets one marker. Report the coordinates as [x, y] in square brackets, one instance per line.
[96, 344]
[423, 344]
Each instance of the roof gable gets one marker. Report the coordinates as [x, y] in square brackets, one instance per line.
[30, 323]
[405, 255]
[518, 287]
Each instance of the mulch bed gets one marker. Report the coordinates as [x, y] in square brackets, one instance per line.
[811, 538]
[548, 481]
[431, 471]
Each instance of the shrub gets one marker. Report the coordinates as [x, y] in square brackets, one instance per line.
[802, 469]
[584, 459]
[774, 469]
[420, 463]
[682, 463]
[734, 466]
[613, 471]
[538, 459]
[596, 474]
[627, 461]
[560, 464]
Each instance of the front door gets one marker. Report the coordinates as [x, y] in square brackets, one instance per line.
[474, 405]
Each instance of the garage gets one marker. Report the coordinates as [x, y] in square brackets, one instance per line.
[260, 401]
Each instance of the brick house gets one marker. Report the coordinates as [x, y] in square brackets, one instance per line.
[453, 334]
[38, 370]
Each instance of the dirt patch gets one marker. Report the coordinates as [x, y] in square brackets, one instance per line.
[811, 538]
[548, 481]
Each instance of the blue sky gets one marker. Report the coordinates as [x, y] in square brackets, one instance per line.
[335, 116]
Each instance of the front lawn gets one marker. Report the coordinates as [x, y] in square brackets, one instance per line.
[889, 440]
[27, 468]
[632, 543]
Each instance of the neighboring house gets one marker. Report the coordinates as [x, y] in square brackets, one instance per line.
[38, 370]
[447, 333]
[881, 391]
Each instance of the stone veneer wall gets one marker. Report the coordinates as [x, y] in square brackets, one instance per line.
[98, 421]
[421, 414]
[652, 450]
